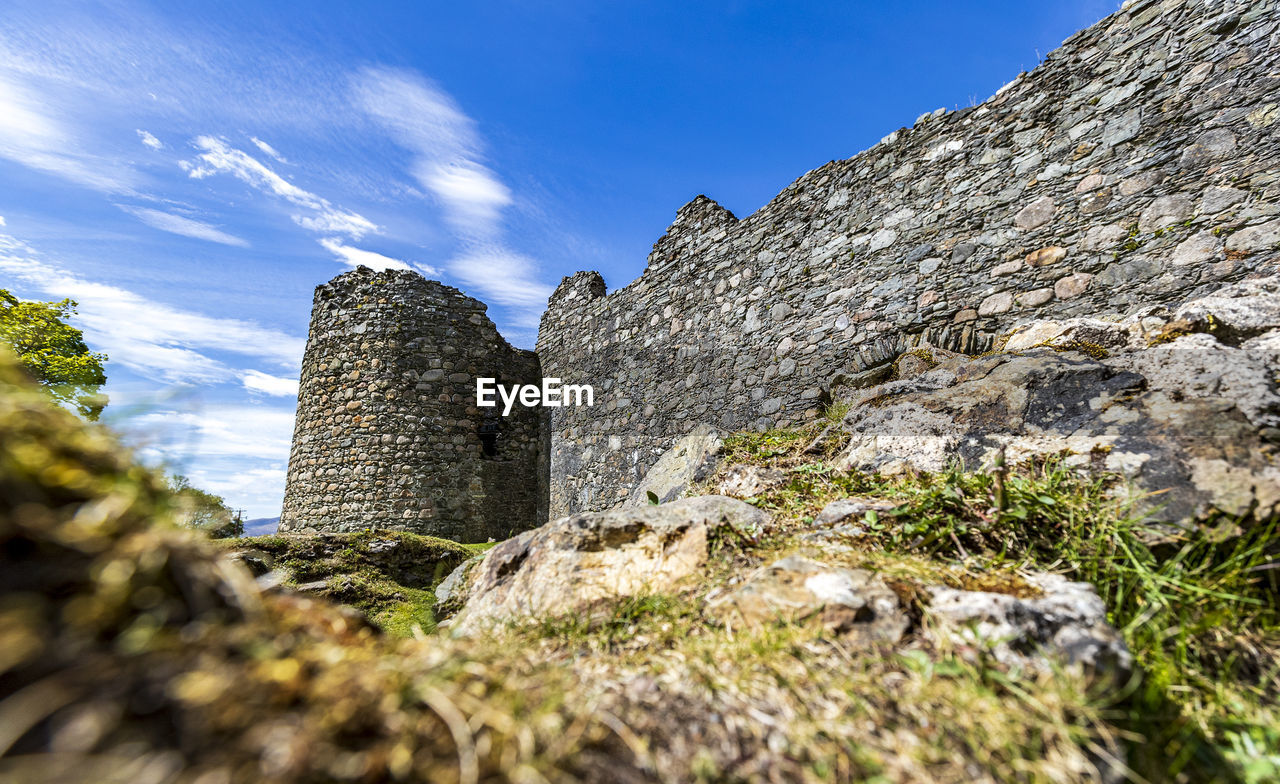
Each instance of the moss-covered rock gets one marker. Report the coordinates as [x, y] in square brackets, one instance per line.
[387, 575]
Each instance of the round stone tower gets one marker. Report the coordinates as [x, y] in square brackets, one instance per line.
[388, 434]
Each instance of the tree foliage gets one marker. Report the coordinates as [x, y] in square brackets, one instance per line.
[205, 511]
[54, 352]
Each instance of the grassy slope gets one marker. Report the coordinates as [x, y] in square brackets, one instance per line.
[125, 643]
[1200, 613]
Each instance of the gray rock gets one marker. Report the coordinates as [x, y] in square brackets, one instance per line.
[854, 603]
[1236, 312]
[748, 481]
[1068, 625]
[844, 508]
[691, 460]
[1184, 426]
[1035, 214]
[576, 562]
[452, 592]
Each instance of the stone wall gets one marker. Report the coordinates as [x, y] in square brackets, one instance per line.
[388, 434]
[1139, 164]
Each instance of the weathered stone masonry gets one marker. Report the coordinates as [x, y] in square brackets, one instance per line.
[388, 434]
[1139, 164]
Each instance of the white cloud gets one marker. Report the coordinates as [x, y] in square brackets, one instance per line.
[267, 384]
[472, 194]
[267, 148]
[187, 227]
[447, 161]
[150, 140]
[355, 257]
[443, 139]
[221, 431]
[217, 157]
[503, 275]
[239, 452]
[158, 341]
[2, 220]
[29, 136]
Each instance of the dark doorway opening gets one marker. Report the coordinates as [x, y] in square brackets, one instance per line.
[489, 439]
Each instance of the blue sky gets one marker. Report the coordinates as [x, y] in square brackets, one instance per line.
[190, 171]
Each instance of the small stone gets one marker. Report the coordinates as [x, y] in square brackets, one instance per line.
[1096, 201]
[844, 508]
[1072, 286]
[1217, 199]
[1123, 128]
[927, 298]
[1035, 214]
[1046, 256]
[1008, 268]
[995, 304]
[1164, 212]
[882, 239]
[1255, 238]
[1140, 182]
[1104, 237]
[968, 314]
[746, 481]
[1035, 298]
[1263, 116]
[1090, 183]
[929, 266]
[1208, 147]
[1197, 248]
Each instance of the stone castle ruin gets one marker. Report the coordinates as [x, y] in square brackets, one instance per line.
[1138, 165]
[387, 433]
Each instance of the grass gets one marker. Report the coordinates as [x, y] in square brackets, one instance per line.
[124, 642]
[1199, 611]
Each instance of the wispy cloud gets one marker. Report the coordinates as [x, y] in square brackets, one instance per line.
[267, 148]
[150, 140]
[267, 384]
[503, 275]
[447, 160]
[355, 257]
[156, 340]
[444, 143]
[30, 136]
[216, 156]
[221, 431]
[176, 224]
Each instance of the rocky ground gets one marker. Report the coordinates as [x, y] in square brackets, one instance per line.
[1056, 562]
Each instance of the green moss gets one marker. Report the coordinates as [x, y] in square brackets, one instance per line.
[388, 575]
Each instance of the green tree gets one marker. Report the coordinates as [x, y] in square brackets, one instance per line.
[205, 511]
[54, 352]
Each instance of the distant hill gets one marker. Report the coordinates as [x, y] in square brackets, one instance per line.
[261, 525]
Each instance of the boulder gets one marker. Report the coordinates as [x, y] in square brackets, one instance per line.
[1066, 624]
[453, 590]
[1235, 312]
[854, 603]
[691, 460]
[1192, 421]
[575, 562]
